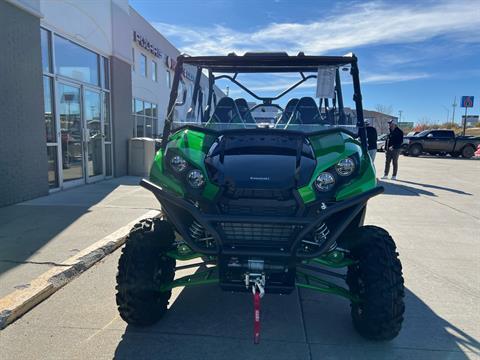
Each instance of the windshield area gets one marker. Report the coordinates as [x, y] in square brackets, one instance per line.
[422, 133]
[317, 99]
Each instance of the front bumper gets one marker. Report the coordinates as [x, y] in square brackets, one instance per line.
[181, 212]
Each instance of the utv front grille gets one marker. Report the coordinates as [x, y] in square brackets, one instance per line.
[258, 235]
[236, 193]
[237, 208]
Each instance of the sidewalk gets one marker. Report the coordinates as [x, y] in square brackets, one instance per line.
[40, 234]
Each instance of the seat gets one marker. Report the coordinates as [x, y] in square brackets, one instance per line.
[292, 103]
[306, 112]
[244, 111]
[226, 112]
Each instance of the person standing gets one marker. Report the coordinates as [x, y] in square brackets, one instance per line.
[393, 145]
[372, 138]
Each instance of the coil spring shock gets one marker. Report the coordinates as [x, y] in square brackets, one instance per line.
[196, 230]
[198, 234]
[319, 236]
[321, 233]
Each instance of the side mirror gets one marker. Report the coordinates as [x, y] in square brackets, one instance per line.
[184, 99]
[430, 135]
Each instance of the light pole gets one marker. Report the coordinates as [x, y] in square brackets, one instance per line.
[448, 112]
[454, 105]
[400, 115]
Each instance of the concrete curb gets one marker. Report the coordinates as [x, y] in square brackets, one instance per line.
[17, 303]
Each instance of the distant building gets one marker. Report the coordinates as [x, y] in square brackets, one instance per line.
[377, 119]
[471, 120]
[265, 114]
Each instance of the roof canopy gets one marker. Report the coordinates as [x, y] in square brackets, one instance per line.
[265, 62]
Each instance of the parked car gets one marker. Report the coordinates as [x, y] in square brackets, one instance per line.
[406, 140]
[442, 142]
[381, 142]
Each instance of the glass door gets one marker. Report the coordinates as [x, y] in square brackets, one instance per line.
[71, 134]
[93, 134]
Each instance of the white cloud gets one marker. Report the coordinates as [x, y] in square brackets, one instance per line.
[366, 24]
[281, 82]
[392, 77]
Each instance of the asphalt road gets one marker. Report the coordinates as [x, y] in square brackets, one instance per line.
[433, 213]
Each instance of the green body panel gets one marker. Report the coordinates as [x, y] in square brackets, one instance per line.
[329, 149]
[192, 146]
[158, 176]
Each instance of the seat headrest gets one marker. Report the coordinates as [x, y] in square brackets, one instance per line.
[226, 111]
[242, 106]
[307, 111]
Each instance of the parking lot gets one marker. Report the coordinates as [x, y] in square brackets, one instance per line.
[432, 212]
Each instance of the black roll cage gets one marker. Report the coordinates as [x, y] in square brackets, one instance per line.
[264, 63]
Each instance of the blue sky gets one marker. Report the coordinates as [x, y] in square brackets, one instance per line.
[415, 56]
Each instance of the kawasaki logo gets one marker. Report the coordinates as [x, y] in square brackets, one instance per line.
[259, 178]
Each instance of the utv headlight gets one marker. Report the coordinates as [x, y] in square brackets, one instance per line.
[195, 178]
[345, 167]
[178, 163]
[325, 182]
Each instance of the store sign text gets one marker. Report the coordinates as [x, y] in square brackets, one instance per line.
[147, 45]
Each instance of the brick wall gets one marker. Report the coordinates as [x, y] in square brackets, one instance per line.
[23, 154]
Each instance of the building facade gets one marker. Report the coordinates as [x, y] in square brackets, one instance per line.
[79, 79]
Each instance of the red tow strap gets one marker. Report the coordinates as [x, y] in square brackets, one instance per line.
[256, 317]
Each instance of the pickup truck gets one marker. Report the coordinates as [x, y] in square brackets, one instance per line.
[441, 142]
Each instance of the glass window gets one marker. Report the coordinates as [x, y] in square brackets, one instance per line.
[139, 107]
[49, 115]
[46, 50]
[104, 72]
[169, 79]
[71, 131]
[140, 123]
[52, 166]
[143, 65]
[154, 111]
[154, 71]
[107, 132]
[148, 109]
[145, 116]
[148, 127]
[75, 61]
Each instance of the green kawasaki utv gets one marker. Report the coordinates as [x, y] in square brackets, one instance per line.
[270, 195]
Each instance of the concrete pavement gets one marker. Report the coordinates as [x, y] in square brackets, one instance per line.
[40, 234]
[433, 214]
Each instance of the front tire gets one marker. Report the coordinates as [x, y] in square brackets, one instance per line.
[468, 151]
[415, 150]
[377, 280]
[143, 267]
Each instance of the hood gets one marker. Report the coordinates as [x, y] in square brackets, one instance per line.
[261, 161]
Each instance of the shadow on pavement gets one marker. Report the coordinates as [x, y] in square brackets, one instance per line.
[393, 188]
[460, 192]
[205, 323]
[27, 227]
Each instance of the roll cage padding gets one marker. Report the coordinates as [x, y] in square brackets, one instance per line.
[226, 112]
[287, 113]
[245, 113]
